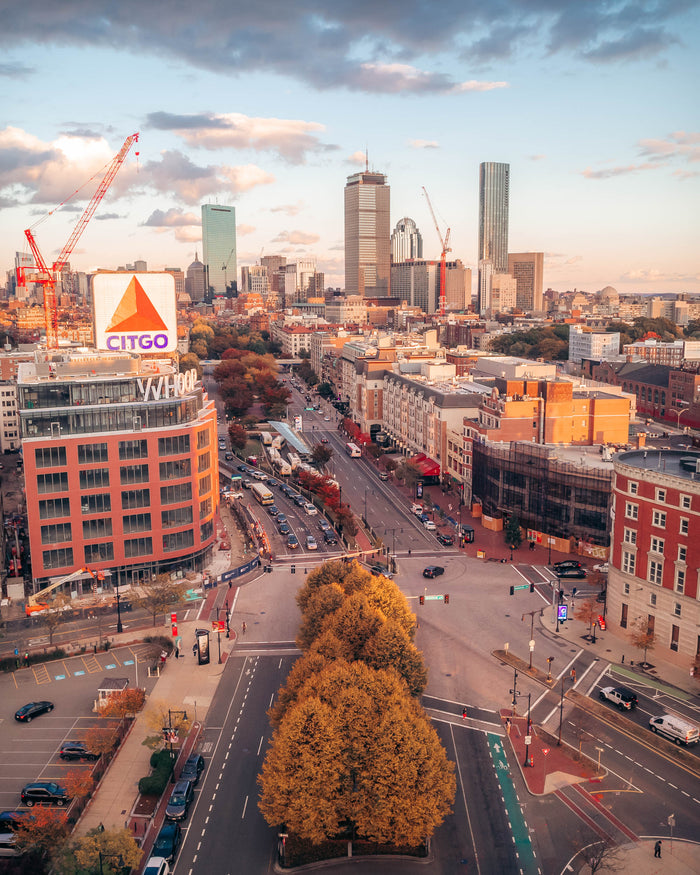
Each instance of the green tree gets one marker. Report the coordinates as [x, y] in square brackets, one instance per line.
[188, 361]
[325, 390]
[511, 532]
[161, 594]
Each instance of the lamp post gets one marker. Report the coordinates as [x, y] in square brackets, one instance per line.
[528, 731]
[228, 615]
[120, 628]
[679, 413]
[218, 633]
[172, 731]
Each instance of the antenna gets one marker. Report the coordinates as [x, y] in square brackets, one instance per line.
[366, 160]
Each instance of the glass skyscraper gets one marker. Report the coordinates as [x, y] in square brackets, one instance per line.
[494, 184]
[367, 235]
[406, 241]
[219, 243]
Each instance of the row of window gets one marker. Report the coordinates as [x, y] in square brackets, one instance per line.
[98, 478]
[55, 508]
[658, 517]
[89, 454]
[62, 557]
[656, 544]
[660, 495]
[59, 533]
[655, 570]
[675, 630]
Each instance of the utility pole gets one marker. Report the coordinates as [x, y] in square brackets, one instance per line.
[531, 614]
[528, 731]
[561, 710]
[514, 691]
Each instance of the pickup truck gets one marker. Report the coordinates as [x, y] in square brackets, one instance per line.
[626, 700]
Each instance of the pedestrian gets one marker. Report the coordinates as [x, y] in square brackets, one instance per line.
[508, 725]
[657, 849]
[101, 827]
[177, 652]
[464, 713]
[573, 675]
[409, 551]
[244, 627]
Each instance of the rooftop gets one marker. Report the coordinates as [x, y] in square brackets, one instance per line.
[677, 463]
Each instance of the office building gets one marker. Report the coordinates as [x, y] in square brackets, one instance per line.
[196, 281]
[367, 235]
[494, 184]
[504, 289]
[219, 242]
[406, 241]
[584, 343]
[121, 466]
[528, 270]
[418, 283]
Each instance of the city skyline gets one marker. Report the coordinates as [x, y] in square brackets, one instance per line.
[596, 119]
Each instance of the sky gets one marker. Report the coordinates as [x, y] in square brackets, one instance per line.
[270, 106]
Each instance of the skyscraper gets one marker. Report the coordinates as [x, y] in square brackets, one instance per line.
[219, 242]
[367, 235]
[406, 241]
[494, 181]
[528, 270]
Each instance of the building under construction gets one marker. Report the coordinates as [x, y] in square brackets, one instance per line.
[560, 498]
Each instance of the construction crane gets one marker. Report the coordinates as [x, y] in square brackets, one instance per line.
[47, 276]
[36, 603]
[444, 241]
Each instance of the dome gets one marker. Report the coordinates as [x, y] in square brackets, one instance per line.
[609, 292]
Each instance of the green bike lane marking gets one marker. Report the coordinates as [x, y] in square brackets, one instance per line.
[521, 836]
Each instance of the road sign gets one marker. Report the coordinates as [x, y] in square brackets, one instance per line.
[545, 751]
[528, 739]
[522, 586]
[434, 598]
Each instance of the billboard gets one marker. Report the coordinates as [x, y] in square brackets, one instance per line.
[135, 312]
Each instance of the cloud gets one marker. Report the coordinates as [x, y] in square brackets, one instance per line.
[291, 139]
[653, 275]
[358, 158]
[104, 217]
[537, 157]
[610, 172]
[288, 209]
[171, 218]
[474, 85]
[177, 175]
[677, 145]
[296, 237]
[243, 230]
[15, 71]
[424, 144]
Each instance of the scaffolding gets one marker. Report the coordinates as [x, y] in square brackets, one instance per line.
[528, 481]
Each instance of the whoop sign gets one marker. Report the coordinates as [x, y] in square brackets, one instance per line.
[135, 312]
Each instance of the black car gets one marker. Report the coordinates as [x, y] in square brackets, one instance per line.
[570, 572]
[10, 820]
[433, 571]
[292, 541]
[272, 482]
[299, 500]
[567, 563]
[76, 750]
[168, 841]
[287, 490]
[31, 710]
[44, 793]
[330, 538]
[180, 801]
[273, 510]
[378, 570]
[445, 540]
[192, 769]
[284, 528]
[243, 469]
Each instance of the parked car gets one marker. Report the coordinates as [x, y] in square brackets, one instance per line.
[570, 572]
[429, 525]
[76, 750]
[157, 866]
[416, 509]
[180, 801]
[44, 793]
[292, 541]
[168, 841]
[423, 516]
[383, 475]
[625, 699]
[310, 509]
[311, 543]
[193, 768]
[567, 563]
[10, 820]
[31, 710]
[433, 571]
[445, 540]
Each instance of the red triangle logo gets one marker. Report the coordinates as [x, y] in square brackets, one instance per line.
[136, 312]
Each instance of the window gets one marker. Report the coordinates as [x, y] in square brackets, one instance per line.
[626, 589]
[174, 446]
[100, 503]
[685, 502]
[97, 528]
[52, 483]
[632, 487]
[176, 494]
[50, 508]
[628, 562]
[133, 474]
[58, 558]
[99, 552]
[94, 478]
[90, 454]
[203, 439]
[656, 545]
[137, 522]
[178, 541]
[675, 635]
[133, 450]
[623, 616]
[661, 495]
[679, 583]
[652, 599]
[138, 547]
[631, 510]
[659, 519]
[179, 516]
[205, 508]
[684, 527]
[203, 463]
[175, 470]
[682, 552]
[656, 572]
[205, 484]
[56, 534]
[206, 530]
[50, 457]
[630, 536]
[132, 498]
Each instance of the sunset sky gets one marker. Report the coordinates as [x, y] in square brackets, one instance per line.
[269, 106]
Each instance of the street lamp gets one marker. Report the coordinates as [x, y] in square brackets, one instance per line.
[120, 628]
[171, 735]
[679, 413]
[228, 615]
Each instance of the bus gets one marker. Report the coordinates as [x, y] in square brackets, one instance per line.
[266, 438]
[353, 451]
[262, 494]
[294, 460]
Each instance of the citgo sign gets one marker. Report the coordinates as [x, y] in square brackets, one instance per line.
[135, 312]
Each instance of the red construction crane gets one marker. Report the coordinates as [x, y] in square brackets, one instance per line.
[47, 276]
[445, 249]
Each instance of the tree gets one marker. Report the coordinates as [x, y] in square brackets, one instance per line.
[602, 856]
[238, 436]
[57, 614]
[188, 361]
[78, 783]
[82, 855]
[325, 390]
[157, 717]
[43, 833]
[354, 623]
[588, 613]
[642, 636]
[391, 648]
[409, 472]
[322, 602]
[511, 532]
[321, 454]
[124, 703]
[391, 465]
[161, 594]
[374, 451]
[100, 740]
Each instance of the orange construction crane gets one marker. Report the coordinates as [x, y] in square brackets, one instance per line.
[444, 241]
[47, 276]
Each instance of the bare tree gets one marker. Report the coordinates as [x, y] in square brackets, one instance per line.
[602, 856]
[161, 594]
[642, 636]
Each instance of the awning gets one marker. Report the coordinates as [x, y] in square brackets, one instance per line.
[426, 465]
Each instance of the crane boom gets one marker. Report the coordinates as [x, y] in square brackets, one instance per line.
[444, 241]
[47, 276]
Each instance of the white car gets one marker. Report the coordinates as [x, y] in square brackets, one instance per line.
[311, 543]
[430, 525]
[310, 509]
[416, 509]
[234, 495]
[603, 567]
[326, 419]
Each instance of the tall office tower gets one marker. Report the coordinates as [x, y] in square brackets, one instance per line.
[195, 280]
[528, 270]
[367, 235]
[494, 180]
[219, 242]
[406, 241]
[273, 263]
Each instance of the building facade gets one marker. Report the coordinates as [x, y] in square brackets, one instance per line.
[406, 241]
[367, 235]
[219, 243]
[655, 552]
[121, 466]
[494, 193]
[528, 270]
[584, 343]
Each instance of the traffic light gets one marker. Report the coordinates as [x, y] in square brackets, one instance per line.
[421, 599]
[447, 598]
[532, 586]
[294, 569]
[512, 590]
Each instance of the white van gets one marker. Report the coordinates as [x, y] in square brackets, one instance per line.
[675, 728]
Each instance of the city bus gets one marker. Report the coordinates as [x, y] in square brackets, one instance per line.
[353, 451]
[262, 494]
[266, 438]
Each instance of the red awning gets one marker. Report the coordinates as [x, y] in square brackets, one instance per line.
[427, 466]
